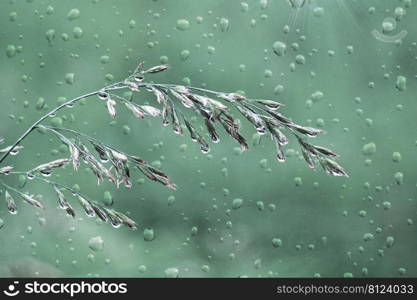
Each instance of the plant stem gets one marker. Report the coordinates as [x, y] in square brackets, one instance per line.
[55, 110]
[9, 187]
[71, 190]
[165, 85]
[33, 126]
[52, 183]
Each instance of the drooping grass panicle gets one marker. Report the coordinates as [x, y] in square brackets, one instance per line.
[90, 207]
[216, 109]
[11, 204]
[12, 150]
[6, 170]
[108, 157]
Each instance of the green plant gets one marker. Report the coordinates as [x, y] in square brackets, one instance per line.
[115, 165]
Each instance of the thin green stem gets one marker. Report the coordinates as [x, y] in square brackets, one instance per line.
[56, 129]
[57, 184]
[10, 188]
[163, 85]
[71, 190]
[54, 111]
[120, 98]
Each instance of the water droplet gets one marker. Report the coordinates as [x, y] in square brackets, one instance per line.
[298, 181]
[368, 237]
[104, 59]
[12, 16]
[10, 51]
[163, 59]
[205, 268]
[103, 95]
[276, 242]
[183, 24]
[65, 36]
[396, 157]
[317, 95]
[194, 231]
[69, 78]
[224, 24]
[300, 59]
[91, 257]
[108, 198]
[50, 36]
[401, 83]
[402, 271]
[369, 149]
[279, 48]
[171, 272]
[132, 24]
[318, 11]
[171, 200]
[263, 4]
[96, 244]
[42, 221]
[148, 234]
[40, 103]
[126, 130]
[211, 50]
[142, 268]
[244, 7]
[399, 178]
[49, 10]
[185, 54]
[237, 203]
[389, 242]
[257, 263]
[73, 14]
[77, 32]
[56, 122]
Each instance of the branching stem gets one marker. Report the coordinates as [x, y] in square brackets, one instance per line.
[54, 111]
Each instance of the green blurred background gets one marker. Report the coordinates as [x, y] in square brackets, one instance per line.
[293, 221]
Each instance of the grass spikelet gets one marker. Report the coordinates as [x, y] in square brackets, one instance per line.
[11, 204]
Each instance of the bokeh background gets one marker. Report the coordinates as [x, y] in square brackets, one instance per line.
[293, 221]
